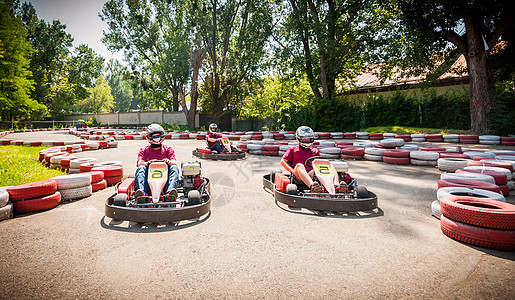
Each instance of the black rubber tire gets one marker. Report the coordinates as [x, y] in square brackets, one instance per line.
[120, 200]
[291, 189]
[193, 197]
[362, 192]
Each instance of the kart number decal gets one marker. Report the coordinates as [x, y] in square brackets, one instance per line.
[324, 169]
[225, 141]
[157, 173]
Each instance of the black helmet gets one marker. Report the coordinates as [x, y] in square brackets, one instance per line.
[213, 127]
[305, 136]
[155, 128]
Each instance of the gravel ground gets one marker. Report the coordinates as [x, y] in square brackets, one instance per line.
[248, 246]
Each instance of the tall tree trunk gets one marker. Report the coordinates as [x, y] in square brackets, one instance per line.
[480, 88]
[175, 103]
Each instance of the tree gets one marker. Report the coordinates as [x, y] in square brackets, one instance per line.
[48, 62]
[472, 27]
[155, 37]
[100, 99]
[15, 82]
[120, 87]
[235, 34]
[83, 67]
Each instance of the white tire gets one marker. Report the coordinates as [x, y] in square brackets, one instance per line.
[284, 147]
[327, 144]
[281, 153]
[76, 193]
[418, 140]
[409, 147]
[254, 147]
[374, 151]
[452, 164]
[6, 211]
[390, 143]
[289, 136]
[424, 155]
[419, 162]
[417, 135]
[331, 150]
[112, 144]
[463, 191]
[72, 181]
[509, 174]
[468, 176]
[489, 138]
[510, 185]
[4, 198]
[451, 140]
[506, 157]
[389, 135]
[436, 209]
[330, 156]
[373, 157]
[47, 143]
[93, 145]
[451, 136]
[108, 163]
[473, 154]
[73, 171]
[256, 152]
[56, 160]
[75, 163]
[362, 144]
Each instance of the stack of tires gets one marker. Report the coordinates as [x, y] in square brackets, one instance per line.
[331, 152]
[461, 191]
[481, 222]
[242, 146]
[373, 154]
[255, 149]
[352, 152]
[489, 139]
[396, 156]
[451, 138]
[508, 141]
[97, 180]
[337, 135]
[6, 207]
[451, 164]
[113, 171]
[74, 186]
[468, 139]
[362, 135]
[391, 143]
[284, 148]
[418, 137]
[375, 136]
[75, 164]
[405, 137]
[434, 138]
[34, 196]
[424, 158]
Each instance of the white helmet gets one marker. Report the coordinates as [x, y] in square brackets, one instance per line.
[305, 136]
[153, 128]
[213, 127]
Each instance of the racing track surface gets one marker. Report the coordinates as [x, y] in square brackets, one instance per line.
[249, 247]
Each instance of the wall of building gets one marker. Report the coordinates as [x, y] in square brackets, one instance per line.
[135, 118]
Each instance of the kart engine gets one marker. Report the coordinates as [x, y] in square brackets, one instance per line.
[191, 178]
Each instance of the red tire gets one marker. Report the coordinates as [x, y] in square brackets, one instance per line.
[453, 155]
[353, 151]
[113, 180]
[500, 178]
[87, 166]
[129, 137]
[396, 160]
[375, 136]
[507, 166]
[433, 136]
[482, 212]
[483, 237]
[97, 186]
[396, 153]
[469, 184]
[270, 148]
[109, 170]
[349, 135]
[37, 204]
[434, 149]
[505, 190]
[270, 152]
[405, 137]
[96, 176]
[32, 190]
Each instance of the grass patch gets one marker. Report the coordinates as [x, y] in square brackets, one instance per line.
[410, 130]
[20, 164]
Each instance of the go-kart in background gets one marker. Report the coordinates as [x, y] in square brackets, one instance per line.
[248, 246]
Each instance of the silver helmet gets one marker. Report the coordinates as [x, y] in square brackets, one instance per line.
[213, 127]
[152, 129]
[305, 136]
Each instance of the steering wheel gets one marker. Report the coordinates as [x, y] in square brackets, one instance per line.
[309, 161]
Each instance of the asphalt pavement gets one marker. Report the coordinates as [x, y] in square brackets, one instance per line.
[248, 246]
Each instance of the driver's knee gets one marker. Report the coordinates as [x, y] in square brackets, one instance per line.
[141, 170]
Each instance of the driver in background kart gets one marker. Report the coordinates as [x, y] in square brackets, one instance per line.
[156, 151]
[214, 139]
[295, 158]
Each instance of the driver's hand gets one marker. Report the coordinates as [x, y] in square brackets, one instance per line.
[150, 161]
[167, 161]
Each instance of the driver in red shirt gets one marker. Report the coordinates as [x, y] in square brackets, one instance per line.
[295, 158]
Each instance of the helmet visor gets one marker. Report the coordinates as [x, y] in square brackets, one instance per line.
[306, 141]
[156, 139]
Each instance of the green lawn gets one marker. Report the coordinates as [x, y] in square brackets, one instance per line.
[410, 130]
[20, 164]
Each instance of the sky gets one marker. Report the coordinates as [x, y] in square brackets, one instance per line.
[81, 19]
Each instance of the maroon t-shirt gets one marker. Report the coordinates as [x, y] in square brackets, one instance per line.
[212, 135]
[148, 153]
[298, 155]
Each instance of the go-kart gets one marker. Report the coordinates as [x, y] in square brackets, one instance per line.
[192, 202]
[296, 195]
[230, 152]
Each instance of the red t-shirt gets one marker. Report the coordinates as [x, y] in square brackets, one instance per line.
[298, 155]
[147, 153]
[213, 135]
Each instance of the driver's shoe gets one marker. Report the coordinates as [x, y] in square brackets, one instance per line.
[316, 188]
[342, 188]
[139, 193]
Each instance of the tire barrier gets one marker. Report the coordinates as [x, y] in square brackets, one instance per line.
[470, 192]
[468, 184]
[451, 164]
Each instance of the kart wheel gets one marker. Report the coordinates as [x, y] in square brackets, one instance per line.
[362, 192]
[120, 200]
[193, 197]
[291, 189]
